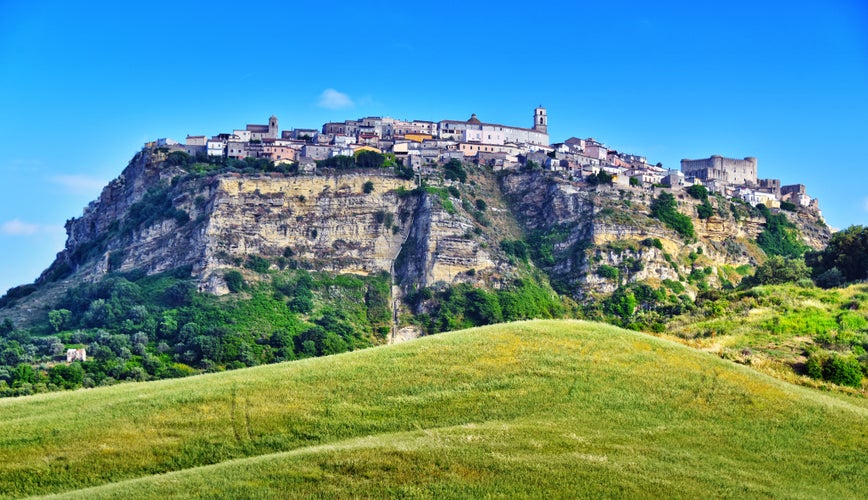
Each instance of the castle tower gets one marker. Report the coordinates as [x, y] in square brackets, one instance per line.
[272, 127]
[540, 120]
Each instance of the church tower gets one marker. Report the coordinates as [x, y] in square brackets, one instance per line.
[540, 120]
[272, 127]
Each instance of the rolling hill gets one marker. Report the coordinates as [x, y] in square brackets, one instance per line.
[537, 408]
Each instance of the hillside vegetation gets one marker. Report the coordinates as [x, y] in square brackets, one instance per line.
[539, 408]
[803, 334]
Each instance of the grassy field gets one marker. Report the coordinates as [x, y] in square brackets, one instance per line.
[774, 328]
[540, 408]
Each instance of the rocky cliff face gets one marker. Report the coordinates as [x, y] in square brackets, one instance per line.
[591, 229]
[322, 222]
[156, 217]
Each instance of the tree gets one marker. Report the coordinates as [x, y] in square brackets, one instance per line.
[780, 236]
[847, 252]
[454, 171]
[58, 318]
[234, 281]
[777, 270]
[665, 208]
[369, 159]
[368, 187]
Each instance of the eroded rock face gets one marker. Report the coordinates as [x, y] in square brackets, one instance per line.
[328, 222]
[610, 226]
[323, 222]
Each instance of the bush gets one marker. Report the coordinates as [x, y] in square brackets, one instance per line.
[698, 192]
[665, 209]
[454, 171]
[481, 205]
[777, 270]
[843, 370]
[234, 281]
[368, 188]
[608, 272]
[831, 278]
[847, 252]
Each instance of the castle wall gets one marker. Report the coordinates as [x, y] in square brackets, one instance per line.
[729, 170]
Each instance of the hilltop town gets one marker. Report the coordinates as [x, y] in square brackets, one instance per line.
[422, 144]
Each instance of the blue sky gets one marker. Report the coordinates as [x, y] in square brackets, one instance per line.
[83, 86]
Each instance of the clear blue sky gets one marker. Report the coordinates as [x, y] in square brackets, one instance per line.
[84, 85]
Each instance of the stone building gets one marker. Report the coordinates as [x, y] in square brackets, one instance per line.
[717, 168]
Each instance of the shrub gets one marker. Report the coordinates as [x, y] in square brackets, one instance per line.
[481, 205]
[777, 270]
[665, 209]
[843, 370]
[608, 272]
[368, 188]
[455, 171]
[234, 281]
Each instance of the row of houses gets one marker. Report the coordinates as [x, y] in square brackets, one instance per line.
[422, 144]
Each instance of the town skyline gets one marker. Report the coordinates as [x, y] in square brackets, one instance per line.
[82, 93]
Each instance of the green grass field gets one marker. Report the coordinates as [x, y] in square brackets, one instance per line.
[531, 409]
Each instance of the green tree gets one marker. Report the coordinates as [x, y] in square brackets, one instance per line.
[665, 208]
[234, 281]
[847, 252]
[58, 318]
[368, 187]
[777, 270]
[453, 170]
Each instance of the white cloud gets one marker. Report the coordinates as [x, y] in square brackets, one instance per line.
[79, 184]
[17, 227]
[332, 99]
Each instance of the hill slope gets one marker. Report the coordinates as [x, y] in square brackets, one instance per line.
[566, 408]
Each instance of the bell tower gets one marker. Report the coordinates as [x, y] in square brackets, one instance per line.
[272, 127]
[540, 120]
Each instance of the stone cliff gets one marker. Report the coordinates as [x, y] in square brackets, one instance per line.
[156, 217]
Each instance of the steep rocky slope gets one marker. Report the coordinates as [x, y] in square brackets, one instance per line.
[156, 217]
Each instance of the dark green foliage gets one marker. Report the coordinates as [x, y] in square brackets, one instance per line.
[830, 278]
[665, 208]
[600, 178]
[541, 243]
[516, 248]
[368, 187]
[789, 207]
[179, 158]
[777, 270]
[481, 205]
[635, 182]
[653, 242]
[403, 172]
[608, 272]
[705, 210]
[847, 252]
[16, 293]
[454, 171]
[155, 206]
[835, 368]
[339, 162]
[697, 191]
[369, 159]
[234, 281]
[464, 306]
[780, 236]
[257, 264]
